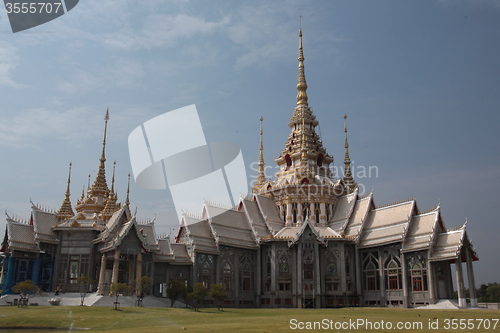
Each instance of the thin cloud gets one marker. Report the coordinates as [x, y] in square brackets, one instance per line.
[8, 63]
[28, 128]
[161, 31]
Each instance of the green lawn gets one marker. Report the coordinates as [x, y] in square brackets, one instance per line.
[246, 320]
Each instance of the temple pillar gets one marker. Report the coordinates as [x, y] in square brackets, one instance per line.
[404, 277]
[258, 276]
[289, 215]
[359, 272]
[131, 272]
[322, 216]
[273, 270]
[431, 280]
[381, 278]
[343, 277]
[462, 303]
[317, 283]
[138, 266]
[300, 286]
[116, 266]
[35, 275]
[2, 273]
[9, 279]
[470, 275]
[194, 272]
[299, 215]
[102, 276]
[312, 213]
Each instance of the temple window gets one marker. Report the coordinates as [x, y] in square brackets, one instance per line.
[319, 161]
[370, 271]
[392, 273]
[305, 210]
[206, 271]
[417, 269]
[294, 212]
[288, 161]
[317, 211]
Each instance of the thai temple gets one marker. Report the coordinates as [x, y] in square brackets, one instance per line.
[305, 239]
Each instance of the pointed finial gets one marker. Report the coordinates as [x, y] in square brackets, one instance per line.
[88, 185]
[106, 118]
[113, 180]
[301, 83]
[348, 179]
[261, 178]
[300, 19]
[127, 200]
[66, 211]
[69, 177]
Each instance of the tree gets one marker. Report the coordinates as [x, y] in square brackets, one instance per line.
[175, 290]
[142, 286]
[26, 289]
[493, 293]
[489, 292]
[185, 294]
[198, 295]
[218, 295]
[118, 289]
[84, 283]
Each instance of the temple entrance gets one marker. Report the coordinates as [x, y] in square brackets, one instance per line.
[309, 303]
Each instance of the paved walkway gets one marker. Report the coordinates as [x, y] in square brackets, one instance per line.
[441, 304]
[73, 299]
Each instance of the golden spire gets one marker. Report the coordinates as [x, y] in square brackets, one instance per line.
[301, 83]
[100, 187]
[83, 194]
[261, 179]
[127, 200]
[110, 208]
[66, 211]
[112, 191]
[88, 185]
[304, 152]
[348, 179]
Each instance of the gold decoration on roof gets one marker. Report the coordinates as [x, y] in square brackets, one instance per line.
[97, 194]
[261, 178]
[110, 207]
[348, 178]
[301, 82]
[66, 211]
[304, 155]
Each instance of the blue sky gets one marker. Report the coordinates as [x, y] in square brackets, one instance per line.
[419, 80]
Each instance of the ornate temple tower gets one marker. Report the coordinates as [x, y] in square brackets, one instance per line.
[305, 187]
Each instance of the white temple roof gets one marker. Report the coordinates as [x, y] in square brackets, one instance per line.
[386, 224]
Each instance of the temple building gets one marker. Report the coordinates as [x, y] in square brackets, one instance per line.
[305, 239]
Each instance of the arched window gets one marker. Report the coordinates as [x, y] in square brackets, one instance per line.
[370, 271]
[317, 211]
[294, 212]
[319, 161]
[288, 161]
[417, 269]
[392, 272]
[305, 210]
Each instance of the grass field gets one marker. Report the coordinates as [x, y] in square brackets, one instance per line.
[248, 320]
